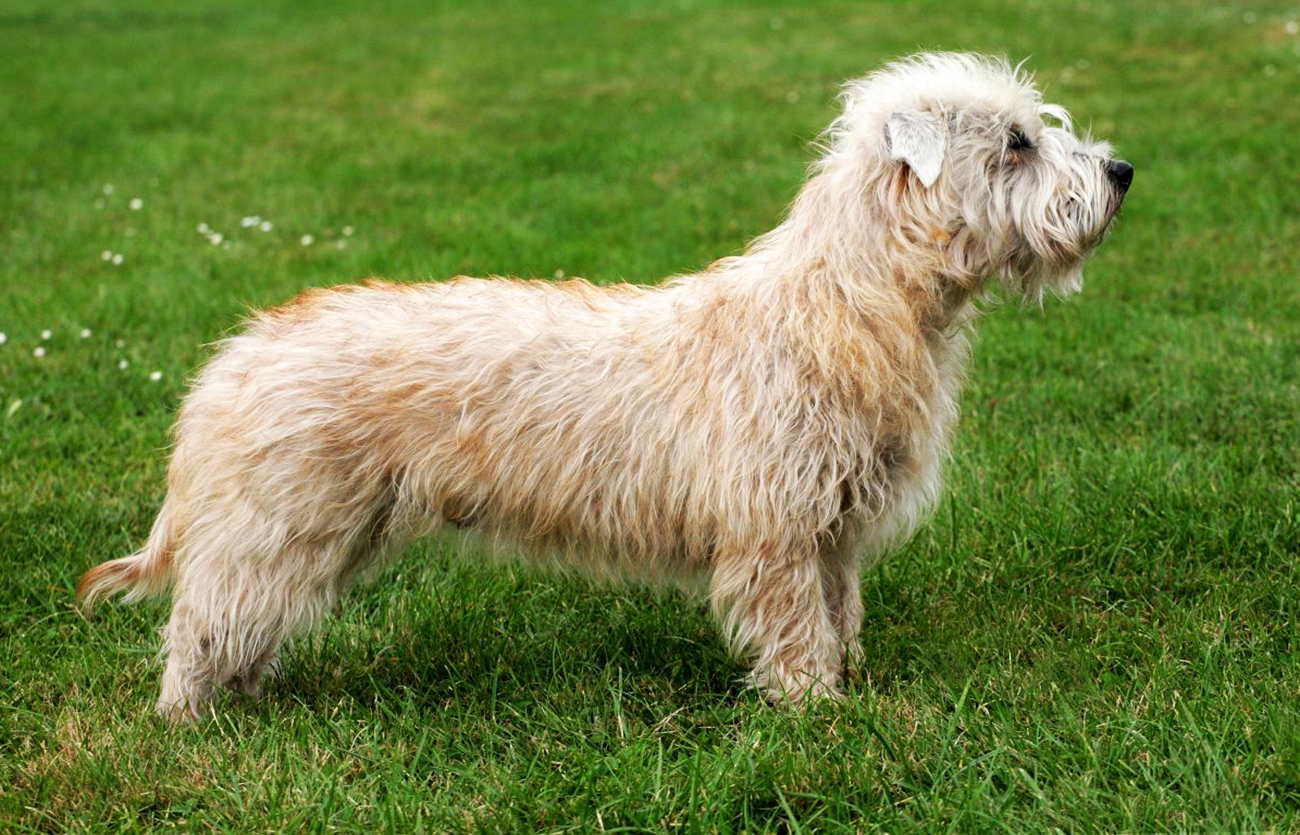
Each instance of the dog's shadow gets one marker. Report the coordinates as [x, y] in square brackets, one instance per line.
[483, 634]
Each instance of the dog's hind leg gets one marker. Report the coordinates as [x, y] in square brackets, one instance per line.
[227, 625]
[238, 597]
[774, 605]
[187, 682]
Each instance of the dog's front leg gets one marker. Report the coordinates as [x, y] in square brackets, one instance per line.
[772, 605]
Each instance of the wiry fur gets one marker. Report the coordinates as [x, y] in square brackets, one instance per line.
[764, 426]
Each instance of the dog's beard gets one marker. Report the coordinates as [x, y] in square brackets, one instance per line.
[1030, 278]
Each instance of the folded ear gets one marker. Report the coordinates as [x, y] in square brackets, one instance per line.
[916, 138]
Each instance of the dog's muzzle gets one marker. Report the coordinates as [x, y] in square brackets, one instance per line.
[1120, 173]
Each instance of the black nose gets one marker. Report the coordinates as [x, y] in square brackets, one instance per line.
[1121, 173]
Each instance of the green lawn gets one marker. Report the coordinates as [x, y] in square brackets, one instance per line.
[1097, 631]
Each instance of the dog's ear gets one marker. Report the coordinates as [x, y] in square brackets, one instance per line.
[916, 138]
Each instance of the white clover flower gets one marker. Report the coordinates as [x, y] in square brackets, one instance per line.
[1292, 27]
[3, 338]
[46, 334]
[38, 352]
[266, 226]
[347, 231]
[308, 240]
[559, 274]
[155, 375]
[216, 238]
[108, 188]
[204, 229]
[122, 364]
[85, 333]
[136, 204]
[117, 260]
[121, 343]
[341, 244]
[106, 255]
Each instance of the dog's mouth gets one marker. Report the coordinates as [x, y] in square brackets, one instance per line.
[1108, 213]
[1112, 212]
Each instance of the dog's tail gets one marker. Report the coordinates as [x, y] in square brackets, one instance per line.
[146, 572]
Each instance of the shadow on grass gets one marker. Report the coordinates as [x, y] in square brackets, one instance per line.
[490, 635]
[441, 628]
[467, 634]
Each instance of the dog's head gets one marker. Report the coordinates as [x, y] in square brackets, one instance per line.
[965, 146]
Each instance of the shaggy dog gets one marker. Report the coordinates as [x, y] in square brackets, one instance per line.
[763, 427]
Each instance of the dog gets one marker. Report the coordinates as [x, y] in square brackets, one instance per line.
[763, 429]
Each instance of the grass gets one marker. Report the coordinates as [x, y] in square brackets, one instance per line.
[1097, 631]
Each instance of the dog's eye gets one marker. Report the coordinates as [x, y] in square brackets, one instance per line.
[1017, 141]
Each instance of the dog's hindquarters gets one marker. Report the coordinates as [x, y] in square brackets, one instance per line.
[279, 529]
[274, 508]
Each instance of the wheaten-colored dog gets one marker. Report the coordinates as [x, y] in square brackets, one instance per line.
[762, 427]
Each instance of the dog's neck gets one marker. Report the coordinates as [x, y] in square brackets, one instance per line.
[865, 255]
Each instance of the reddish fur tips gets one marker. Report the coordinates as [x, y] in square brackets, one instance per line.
[107, 578]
